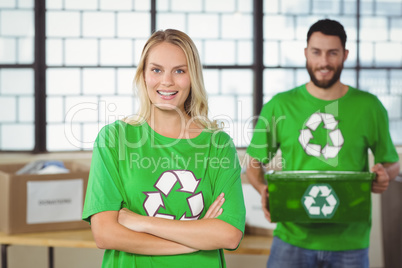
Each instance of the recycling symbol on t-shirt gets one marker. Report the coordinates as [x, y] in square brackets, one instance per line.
[320, 201]
[165, 184]
[335, 135]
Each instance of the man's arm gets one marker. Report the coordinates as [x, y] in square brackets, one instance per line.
[385, 173]
[255, 175]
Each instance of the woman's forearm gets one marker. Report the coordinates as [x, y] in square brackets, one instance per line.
[109, 234]
[204, 234]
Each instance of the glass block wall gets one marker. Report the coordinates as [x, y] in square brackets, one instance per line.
[92, 49]
[93, 46]
[16, 75]
[286, 24]
[374, 30]
[381, 57]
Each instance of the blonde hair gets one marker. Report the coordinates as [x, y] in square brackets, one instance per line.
[196, 105]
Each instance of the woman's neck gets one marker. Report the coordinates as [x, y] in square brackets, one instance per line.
[173, 124]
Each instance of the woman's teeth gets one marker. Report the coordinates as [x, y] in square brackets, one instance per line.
[167, 93]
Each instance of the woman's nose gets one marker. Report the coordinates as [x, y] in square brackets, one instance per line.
[167, 79]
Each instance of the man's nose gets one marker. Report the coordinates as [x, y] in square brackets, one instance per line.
[324, 60]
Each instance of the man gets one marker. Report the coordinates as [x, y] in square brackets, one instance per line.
[362, 124]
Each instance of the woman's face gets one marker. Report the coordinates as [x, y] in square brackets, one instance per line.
[166, 77]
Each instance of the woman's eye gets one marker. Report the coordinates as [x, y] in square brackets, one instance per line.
[180, 71]
[156, 70]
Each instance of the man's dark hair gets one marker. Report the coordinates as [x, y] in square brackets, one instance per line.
[328, 27]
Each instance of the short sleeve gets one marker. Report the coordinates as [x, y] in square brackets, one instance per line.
[225, 167]
[104, 190]
[264, 145]
[381, 143]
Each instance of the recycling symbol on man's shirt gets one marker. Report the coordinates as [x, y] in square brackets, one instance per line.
[335, 135]
[165, 184]
[320, 201]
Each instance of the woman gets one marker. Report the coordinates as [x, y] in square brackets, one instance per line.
[164, 187]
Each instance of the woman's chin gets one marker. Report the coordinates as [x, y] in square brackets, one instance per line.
[168, 107]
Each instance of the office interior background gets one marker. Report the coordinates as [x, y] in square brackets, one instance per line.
[66, 68]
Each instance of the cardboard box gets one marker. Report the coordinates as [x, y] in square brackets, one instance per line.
[36, 203]
[320, 196]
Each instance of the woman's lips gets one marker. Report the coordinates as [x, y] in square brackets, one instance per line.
[167, 95]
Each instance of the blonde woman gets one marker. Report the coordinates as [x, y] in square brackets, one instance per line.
[164, 187]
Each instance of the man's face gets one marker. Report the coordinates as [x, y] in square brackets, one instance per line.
[324, 59]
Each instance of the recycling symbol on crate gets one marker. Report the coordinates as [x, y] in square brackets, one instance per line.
[320, 201]
[330, 150]
[165, 184]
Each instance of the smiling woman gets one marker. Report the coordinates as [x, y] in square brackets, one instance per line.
[178, 212]
[167, 78]
[171, 63]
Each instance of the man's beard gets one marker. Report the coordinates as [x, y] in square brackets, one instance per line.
[325, 84]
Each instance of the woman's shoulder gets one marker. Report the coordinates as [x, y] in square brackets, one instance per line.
[114, 126]
[117, 127]
[120, 132]
[220, 138]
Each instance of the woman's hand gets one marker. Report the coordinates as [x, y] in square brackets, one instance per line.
[216, 208]
[130, 220]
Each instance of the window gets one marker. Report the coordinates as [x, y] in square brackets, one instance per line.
[92, 48]
[16, 75]
[374, 30]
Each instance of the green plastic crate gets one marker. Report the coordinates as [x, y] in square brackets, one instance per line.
[319, 196]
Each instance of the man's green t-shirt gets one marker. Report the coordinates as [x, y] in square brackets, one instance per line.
[315, 134]
[178, 179]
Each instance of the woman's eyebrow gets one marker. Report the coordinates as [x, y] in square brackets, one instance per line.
[181, 66]
[155, 64]
[175, 67]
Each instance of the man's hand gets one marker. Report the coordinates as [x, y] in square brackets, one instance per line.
[265, 202]
[255, 175]
[381, 182]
